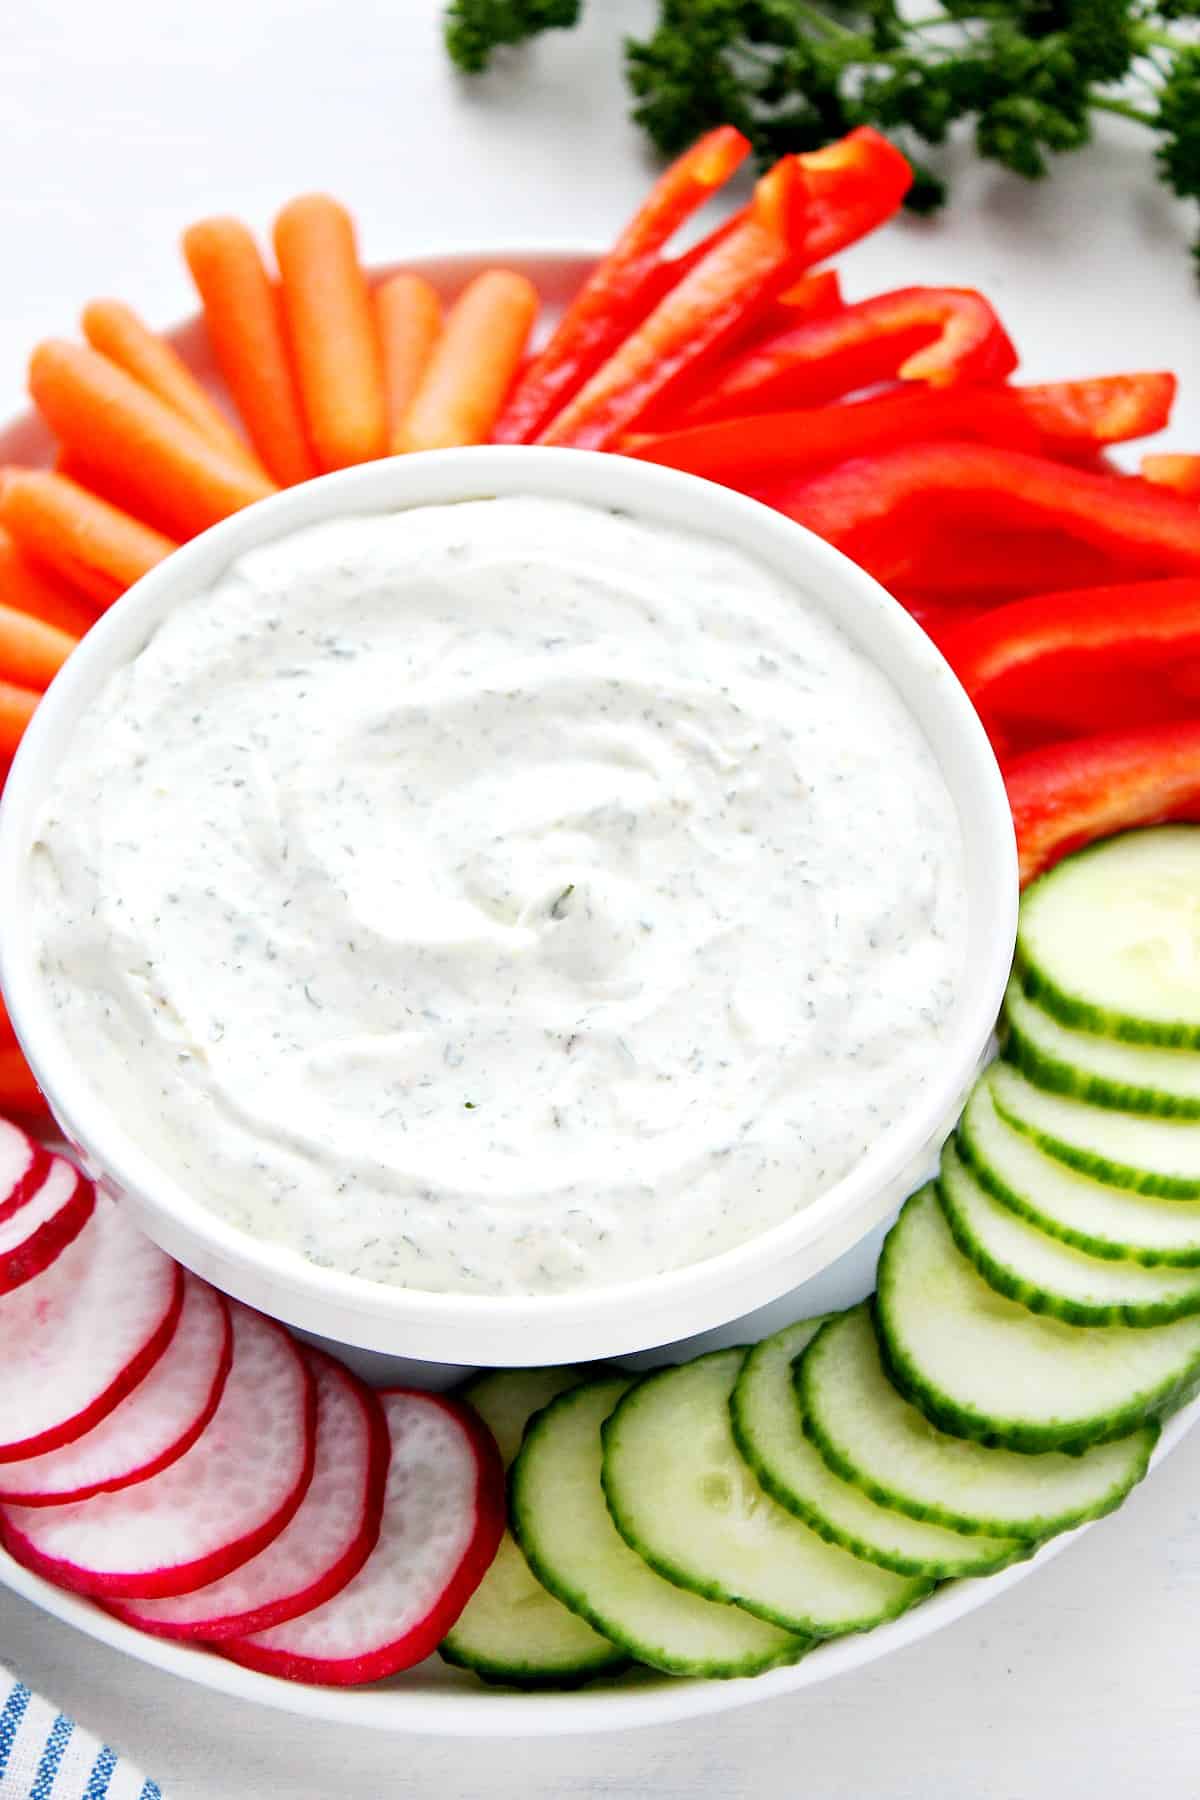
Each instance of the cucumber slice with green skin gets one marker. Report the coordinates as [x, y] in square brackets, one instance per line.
[1105, 1221]
[768, 1427]
[1109, 940]
[682, 1497]
[562, 1523]
[1049, 1276]
[512, 1632]
[1147, 1156]
[872, 1437]
[506, 1400]
[1137, 1078]
[984, 1367]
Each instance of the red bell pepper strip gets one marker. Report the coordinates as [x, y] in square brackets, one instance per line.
[939, 618]
[1179, 472]
[599, 315]
[1102, 409]
[1064, 796]
[696, 318]
[752, 450]
[1056, 418]
[869, 506]
[816, 203]
[963, 564]
[1066, 664]
[935, 335]
[814, 296]
[852, 186]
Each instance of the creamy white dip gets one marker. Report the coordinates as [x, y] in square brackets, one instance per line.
[506, 897]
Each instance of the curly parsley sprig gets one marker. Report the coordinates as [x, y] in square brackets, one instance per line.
[1027, 75]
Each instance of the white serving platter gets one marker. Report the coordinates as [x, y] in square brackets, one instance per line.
[435, 1699]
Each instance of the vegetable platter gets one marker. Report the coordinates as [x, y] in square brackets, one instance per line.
[1032, 458]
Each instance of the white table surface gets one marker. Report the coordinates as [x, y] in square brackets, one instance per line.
[124, 120]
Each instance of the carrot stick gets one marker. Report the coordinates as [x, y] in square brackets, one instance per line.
[34, 591]
[327, 309]
[473, 363]
[127, 433]
[31, 653]
[17, 706]
[116, 332]
[245, 327]
[97, 547]
[408, 315]
[19, 1092]
[106, 484]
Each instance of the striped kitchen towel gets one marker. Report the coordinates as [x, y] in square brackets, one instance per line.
[46, 1756]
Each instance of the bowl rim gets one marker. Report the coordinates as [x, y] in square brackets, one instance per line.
[660, 495]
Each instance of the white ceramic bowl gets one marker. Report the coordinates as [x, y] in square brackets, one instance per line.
[461, 1329]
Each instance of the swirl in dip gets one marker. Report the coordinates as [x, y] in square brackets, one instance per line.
[505, 897]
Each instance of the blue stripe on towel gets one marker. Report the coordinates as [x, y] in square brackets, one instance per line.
[10, 1720]
[52, 1755]
[101, 1775]
[151, 1791]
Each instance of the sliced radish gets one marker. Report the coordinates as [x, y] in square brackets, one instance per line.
[324, 1546]
[51, 1218]
[221, 1503]
[81, 1335]
[23, 1165]
[443, 1516]
[152, 1427]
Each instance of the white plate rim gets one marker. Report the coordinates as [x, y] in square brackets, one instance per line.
[454, 1704]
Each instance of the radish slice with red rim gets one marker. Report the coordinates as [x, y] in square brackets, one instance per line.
[40, 1230]
[81, 1335]
[443, 1516]
[219, 1505]
[324, 1546]
[152, 1427]
[23, 1165]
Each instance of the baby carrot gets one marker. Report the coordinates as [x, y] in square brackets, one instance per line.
[31, 653]
[327, 309]
[31, 590]
[17, 706]
[473, 363]
[115, 330]
[408, 315]
[106, 484]
[245, 328]
[127, 433]
[97, 547]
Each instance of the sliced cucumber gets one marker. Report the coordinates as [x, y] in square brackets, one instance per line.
[872, 1437]
[506, 1399]
[1049, 1276]
[512, 1632]
[768, 1426]
[1147, 1156]
[985, 1367]
[1138, 1078]
[683, 1498]
[562, 1523]
[1109, 940]
[1103, 1220]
